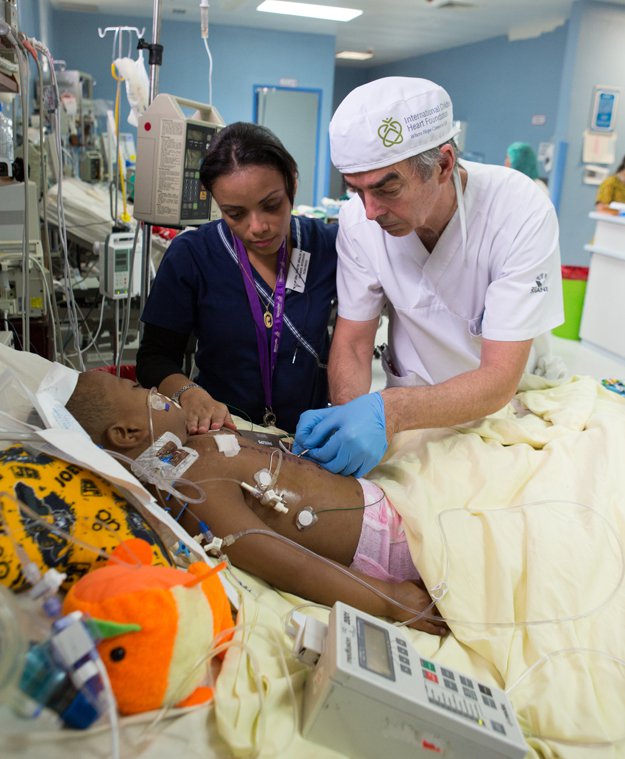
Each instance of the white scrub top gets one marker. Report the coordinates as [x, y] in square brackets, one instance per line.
[506, 285]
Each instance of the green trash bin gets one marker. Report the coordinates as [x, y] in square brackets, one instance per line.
[574, 280]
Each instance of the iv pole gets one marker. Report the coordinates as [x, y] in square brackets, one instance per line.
[155, 59]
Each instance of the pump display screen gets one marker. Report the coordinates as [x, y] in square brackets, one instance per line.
[196, 147]
[121, 260]
[195, 199]
[374, 649]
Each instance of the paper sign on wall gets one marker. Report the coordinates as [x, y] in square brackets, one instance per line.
[598, 148]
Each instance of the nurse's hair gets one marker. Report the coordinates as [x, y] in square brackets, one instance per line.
[243, 144]
[423, 163]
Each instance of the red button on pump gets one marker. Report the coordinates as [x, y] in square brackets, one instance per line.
[434, 745]
[147, 126]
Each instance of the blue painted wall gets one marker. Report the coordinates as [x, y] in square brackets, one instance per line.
[241, 58]
[596, 58]
[496, 86]
[346, 78]
[28, 18]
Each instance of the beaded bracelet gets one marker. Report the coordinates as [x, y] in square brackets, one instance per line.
[176, 396]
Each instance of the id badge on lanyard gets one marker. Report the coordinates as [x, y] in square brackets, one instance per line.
[298, 271]
[267, 354]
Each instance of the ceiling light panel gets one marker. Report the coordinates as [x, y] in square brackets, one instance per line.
[309, 10]
[354, 55]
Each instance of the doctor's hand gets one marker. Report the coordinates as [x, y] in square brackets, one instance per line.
[347, 439]
[203, 412]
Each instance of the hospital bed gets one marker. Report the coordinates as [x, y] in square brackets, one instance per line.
[516, 524]
[87, 209]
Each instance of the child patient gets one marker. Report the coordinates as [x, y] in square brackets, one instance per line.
[124, 417]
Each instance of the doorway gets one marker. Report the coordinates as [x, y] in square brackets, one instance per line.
[293, 115]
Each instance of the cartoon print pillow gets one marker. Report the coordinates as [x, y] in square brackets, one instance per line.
[72, 498]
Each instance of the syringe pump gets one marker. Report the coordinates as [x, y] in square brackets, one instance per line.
[372, 695]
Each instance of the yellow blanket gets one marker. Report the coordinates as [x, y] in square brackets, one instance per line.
[521, 516]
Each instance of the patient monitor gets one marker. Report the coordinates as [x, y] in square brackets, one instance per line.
[170, 149]
[371, 695]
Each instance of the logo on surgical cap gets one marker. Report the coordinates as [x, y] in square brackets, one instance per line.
[390, 132]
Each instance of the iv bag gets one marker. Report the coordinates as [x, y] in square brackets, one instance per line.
[137, 85]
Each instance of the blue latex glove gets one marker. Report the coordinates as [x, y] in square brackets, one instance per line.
[348, 439]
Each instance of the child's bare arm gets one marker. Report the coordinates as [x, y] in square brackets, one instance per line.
[294, 571]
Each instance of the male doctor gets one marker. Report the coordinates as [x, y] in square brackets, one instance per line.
[465, 258]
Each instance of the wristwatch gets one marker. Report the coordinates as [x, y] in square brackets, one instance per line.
[176, 396]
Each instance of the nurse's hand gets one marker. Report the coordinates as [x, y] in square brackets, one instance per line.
[347, 439]
[203, 412]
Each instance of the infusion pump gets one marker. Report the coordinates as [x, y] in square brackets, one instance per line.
[116, 256]
[372, 695]
[170, 150]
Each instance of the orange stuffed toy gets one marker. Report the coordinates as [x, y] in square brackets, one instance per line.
[156, 625]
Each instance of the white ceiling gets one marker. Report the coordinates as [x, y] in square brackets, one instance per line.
[393, 29]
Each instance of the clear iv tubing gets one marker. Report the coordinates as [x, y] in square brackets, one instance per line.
[233, 538]
[17, 654]
[13, 644]
[111, 704]
[210, 72]
[543, 660]
[112, 713]
[527, 623]
[113, 717]
[442, 586]
[438, 591]
[204, 35]
[161, 482]
[274, 477]
[218, 648]
[230, 539]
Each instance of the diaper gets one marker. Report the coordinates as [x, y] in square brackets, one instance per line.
[382, 550]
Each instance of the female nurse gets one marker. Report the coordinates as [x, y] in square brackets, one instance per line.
[255, 289]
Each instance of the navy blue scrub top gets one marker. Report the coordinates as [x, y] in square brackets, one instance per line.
[199, 288]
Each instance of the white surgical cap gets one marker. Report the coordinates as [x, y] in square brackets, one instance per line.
[388, 120]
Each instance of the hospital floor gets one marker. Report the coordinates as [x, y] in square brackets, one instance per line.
[580, 357]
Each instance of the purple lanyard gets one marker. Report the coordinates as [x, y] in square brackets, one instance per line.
[268, 358]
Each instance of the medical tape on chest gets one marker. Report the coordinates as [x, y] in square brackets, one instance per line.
[269, 296]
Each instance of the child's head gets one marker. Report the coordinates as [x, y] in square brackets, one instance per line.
[116, 412]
